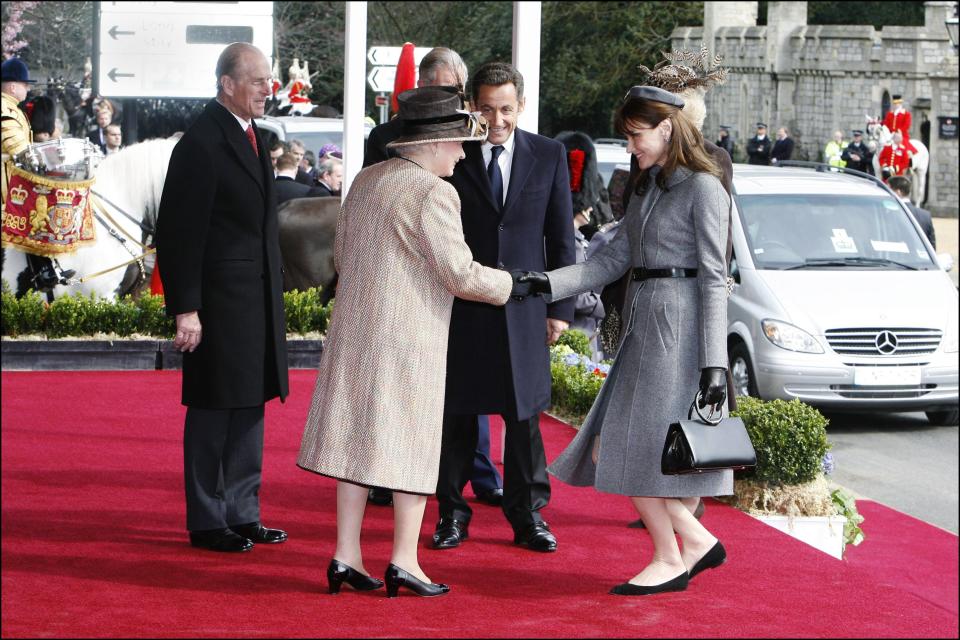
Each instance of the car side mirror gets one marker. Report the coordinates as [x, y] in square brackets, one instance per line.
[735, 270]
[945, 260]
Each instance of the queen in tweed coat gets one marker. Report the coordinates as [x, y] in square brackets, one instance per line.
[377, 409]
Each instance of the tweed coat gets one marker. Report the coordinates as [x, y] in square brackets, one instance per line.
[498, 361]
[674, 328]
[218, 247]
[377, 409]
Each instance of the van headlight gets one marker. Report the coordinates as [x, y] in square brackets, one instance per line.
[786, 336]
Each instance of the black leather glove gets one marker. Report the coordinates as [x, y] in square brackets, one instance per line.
[520, 289]
[713, 386]
[539, 283]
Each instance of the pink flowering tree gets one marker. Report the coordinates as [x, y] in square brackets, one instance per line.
[13, 24]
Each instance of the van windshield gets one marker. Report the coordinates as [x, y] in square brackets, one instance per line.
[811, 231]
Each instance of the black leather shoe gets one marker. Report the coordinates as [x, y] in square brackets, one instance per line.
[536, 537]
[256, 532]
[397, 577]
[494, 497]
[677, 584]
[380, 496]
[220, 540]
[710, 560]
[338, 573]
[697, 513]
[450, 533]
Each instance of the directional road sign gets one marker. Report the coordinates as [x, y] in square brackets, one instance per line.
[382, 78]
[170, 49]
[385, 61]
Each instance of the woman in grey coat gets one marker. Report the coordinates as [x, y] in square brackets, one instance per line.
[674, 342]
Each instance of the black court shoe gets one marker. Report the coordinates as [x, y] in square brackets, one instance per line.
[397, 577]
[338, 573]
[677, 584]
[710, 560]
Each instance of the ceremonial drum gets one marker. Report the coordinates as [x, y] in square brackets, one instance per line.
[47, 209]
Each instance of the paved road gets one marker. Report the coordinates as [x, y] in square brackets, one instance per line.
[899, 460]
[946, 229]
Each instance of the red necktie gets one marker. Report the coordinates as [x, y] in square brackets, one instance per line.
[253, 140]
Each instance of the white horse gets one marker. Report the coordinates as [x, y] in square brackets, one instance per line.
[132, 180]
[918, 164]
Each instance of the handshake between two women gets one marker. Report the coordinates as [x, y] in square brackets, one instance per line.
[527, 283]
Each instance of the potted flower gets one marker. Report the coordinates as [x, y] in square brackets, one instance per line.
[788, 488]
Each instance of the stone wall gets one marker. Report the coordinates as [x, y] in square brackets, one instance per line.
[816, 79]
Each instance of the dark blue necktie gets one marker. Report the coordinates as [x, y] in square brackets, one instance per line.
[496, 178]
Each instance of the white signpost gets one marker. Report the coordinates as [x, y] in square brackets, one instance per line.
[170, 49]
[384, 61]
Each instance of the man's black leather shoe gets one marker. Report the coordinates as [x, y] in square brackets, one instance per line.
[256, 532]
[449, 534]
[536, 537]
[220, 540]
[494, 497]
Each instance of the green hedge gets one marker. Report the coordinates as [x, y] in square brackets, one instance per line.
[790, 439]
[77, 315]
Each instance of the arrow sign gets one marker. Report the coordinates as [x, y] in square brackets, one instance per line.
[390, 56]
[381, 79]
[113, 74]
[114, 32]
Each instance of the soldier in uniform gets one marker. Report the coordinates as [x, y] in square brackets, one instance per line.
[760, 146]
[857, 155]
[899, 119]
[16, 137]
[895, 157]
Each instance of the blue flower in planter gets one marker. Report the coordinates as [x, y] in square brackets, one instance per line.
[827, 464]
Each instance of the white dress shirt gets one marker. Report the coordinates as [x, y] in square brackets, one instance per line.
[505, 160]
[243, 123]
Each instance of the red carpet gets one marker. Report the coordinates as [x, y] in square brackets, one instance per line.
[93, 546]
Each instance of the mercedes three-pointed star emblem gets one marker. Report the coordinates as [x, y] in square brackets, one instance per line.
[886, 342]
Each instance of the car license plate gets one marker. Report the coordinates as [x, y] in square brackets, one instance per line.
[877, 376]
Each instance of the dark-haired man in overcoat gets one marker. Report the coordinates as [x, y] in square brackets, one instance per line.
[515, 205]
[219, 255]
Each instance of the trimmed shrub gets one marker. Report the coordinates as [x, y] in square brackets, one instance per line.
[790, 439]
[576, 340]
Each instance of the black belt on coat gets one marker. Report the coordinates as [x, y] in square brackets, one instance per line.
[671, 272]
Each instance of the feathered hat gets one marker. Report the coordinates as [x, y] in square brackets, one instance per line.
[689, 75]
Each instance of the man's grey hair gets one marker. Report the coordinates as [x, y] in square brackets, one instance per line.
[229, 60]
[328, 164]
[442, 58]
[297, 143]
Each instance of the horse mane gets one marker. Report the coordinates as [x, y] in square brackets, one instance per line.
[133, 177]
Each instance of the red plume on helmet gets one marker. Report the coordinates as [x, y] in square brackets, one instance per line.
[406, 77]
[575, 160]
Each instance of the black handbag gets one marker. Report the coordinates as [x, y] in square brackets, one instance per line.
[695, 446]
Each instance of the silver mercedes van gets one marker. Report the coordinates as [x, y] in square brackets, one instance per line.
[838, 298]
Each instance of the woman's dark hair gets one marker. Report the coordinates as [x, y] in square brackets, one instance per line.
[43, 115]
[686, 142]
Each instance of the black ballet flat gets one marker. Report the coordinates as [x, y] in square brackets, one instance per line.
[710, 560]
[338, 573]
[397, 577]
[677, 584]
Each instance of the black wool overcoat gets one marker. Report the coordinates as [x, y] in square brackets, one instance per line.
[497, 358]
[218, 251]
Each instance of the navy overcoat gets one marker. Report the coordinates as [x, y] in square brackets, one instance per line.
[497, 359]
[218, 250]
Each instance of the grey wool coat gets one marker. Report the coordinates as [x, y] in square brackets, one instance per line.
[377, 408]
[674, 327]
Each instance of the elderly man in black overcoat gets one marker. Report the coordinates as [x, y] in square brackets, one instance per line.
[219, 255]
[515, 205]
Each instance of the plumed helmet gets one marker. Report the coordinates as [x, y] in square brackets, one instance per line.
[585, 181]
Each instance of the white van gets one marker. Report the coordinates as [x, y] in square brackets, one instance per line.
[839, 298]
